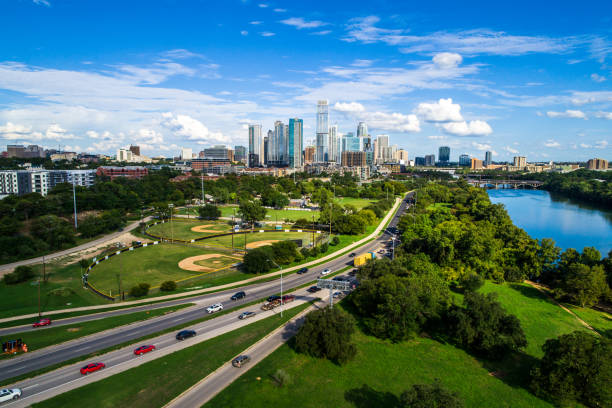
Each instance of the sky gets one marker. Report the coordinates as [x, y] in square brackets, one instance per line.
[531, 78]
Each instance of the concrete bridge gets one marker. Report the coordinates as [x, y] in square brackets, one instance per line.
[491, 183]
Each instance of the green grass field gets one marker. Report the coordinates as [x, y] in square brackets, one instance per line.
[240, 239]
[153, 264]
[140, 386]
[357, 202]
[600, 321]
[39, 339]
[180, 228]
[382, 370]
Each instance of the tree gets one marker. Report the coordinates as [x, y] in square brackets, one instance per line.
[53, 230]
[584, 285]
[209, 212]
[575, 367]
[258, 260]
[251, 211]
[326, 333]
[168, 286]
[472, 282]
[9, 226]
[140, 290]
[430, 396]
[21, 273]
[484, 327]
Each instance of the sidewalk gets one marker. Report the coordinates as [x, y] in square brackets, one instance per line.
[347, 248]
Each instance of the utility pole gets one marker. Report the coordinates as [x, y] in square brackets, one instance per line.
[44, 270]
[313, 232]
[233, 229]
[281, 285]
[39, 296]
[202, 178]
[74, 201]
[171, 206]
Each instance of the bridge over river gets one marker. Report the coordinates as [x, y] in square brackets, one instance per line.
[492, 183]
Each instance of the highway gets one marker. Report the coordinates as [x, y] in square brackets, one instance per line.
[35, 360]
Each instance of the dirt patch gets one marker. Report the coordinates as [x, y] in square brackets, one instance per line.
[203, 228]
[73, 329]
[189, 264]
[216, 262]
[258, 244]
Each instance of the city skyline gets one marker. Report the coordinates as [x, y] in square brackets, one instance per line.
[410, 72]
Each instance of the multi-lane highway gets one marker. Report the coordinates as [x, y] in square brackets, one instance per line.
[81, 347]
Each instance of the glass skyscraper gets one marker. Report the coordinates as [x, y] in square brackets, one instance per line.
[444, 154]
[322, 147]
[296, 136]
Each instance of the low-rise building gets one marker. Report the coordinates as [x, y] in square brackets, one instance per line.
[128, 171]
[597, 164]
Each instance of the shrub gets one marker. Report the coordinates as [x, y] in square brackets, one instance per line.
[472, 282]
[140, 290]
[335, 240]
[429, 396]
[20, 274]
[281, 377]
[168, 286]
[324, 247]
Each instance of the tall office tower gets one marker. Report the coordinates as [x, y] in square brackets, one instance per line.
[255, 146]
[135, 150]
[465, 160]
[366, 142]
[266, 149]
[322, 151]
[186, 153]
[362, 129]
[277, 145]
[333, 144]
[309, 154]
[296, 142]
[382, 142]
[240, 153]
[351, 143]
[430, 160]
[520, 161]
[444, 154]
[488, 158]
[402, 156]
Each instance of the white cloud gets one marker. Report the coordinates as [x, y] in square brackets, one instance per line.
[567, 114]
[156, 73]
[397, 122]
[437, 137]
[469, 42]
[56, 132]
[323, 32]
[510, 150]
[42, 2]
[362, 63]
[471, 128]
[12, 131]
[263, 5]
[447, 59]
[267, 34]
[280, 10]
[300, 23]
[256, 22]
[597, 78]
[442, 111]
[181, 53]
[602, 144]
[552, 143]
[244, 32]
[192, 129]
[148, 136]
[604, 115]
[481, 146]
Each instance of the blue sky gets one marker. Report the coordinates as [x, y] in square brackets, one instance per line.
[530, 78]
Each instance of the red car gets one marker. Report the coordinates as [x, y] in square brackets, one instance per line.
[288, 298]
[144, 349]
[42, 322]
[92, 367]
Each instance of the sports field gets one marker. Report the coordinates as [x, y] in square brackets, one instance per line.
[156, 264]
[357, 202]
[253, 240]
[187, 229]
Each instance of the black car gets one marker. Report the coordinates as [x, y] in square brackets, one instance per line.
[303, 270]
[238, 295]
[352, 254]
[273, 298]
[313, 289]
[185, 334]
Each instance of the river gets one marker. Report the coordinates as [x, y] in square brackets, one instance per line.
[544, 215]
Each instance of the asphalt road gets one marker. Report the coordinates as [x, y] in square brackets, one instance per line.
[36, 360]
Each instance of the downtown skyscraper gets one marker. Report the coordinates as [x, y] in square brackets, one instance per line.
[295, 142]
[334, 155]
[322, 143]
[256, 152]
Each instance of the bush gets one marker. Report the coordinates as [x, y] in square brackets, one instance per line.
[472, 282]
[305, 252]
[20, 274]
[168, 286]
[429, 396]
[324, 247]
[281, 377]
[140, 290]
[335, 240]
[209, 212]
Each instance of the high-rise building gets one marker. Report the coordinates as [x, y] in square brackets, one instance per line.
[520, 161]
[362, 129]
[419, 161]
[353, 159]
[22, 152]
[333, 144]
[124, 155]
[266, 148]
[382, 142]
[240, 154]
[135, 150]
[218, 152]
[255, 146]
[402, 156]
[309, 154]
[278, 145]
[430, 160]
[322, 151]
[296, 142]
[351, 143]
[488, 158]
[475, 164]
[186, 153]
[444, 154]
[597, 164]
[465, 160]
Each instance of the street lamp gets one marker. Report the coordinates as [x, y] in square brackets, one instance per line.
[171, 206]
[281, 285]
[393, 250]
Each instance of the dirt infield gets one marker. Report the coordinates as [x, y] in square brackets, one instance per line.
[203, 228]
[189, 264]
[258, 244]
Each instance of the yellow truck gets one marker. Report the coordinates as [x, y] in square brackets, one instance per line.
[363, 258]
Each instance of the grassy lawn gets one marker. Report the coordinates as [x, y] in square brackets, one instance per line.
[241, 239]
[600, 321]
[39, 339]
[181, 229]
[153, 264]
[291, 215]
[388, 369]
[357, 202]
[229, 210]
[156, 383]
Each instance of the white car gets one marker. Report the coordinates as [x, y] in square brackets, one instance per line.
[325, 272]
[9, 394]
[214, 308]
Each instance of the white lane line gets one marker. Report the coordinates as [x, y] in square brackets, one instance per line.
[30, 386]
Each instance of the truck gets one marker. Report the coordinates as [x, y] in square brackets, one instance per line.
[363, 258]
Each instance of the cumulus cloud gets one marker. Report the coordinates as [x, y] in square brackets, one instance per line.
[362, 63]
[510, 150]
[597, 78]
[471, 128]
[481, 146]
[300, 23]
[192, 129]
[267, 34]
[442, 111]
[552, 143]
[42, 2]
[244, 32]
[604, 115]
[447, 59]
[567, 114]
[397, 122]
[13, 131]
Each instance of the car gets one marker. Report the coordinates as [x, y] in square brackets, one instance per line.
[352, 255]
[144, 349]
[325, 272]
[288, 298]
[338, 295]
[241, 360]
[353, 272]
[42, 322]
[214, 308]
[339, 278]
[273, 298]
[238, 295]
[8, 394]
[303, 270]
[185, 334]
[246, 315]
[91, 368]
[313, 289]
